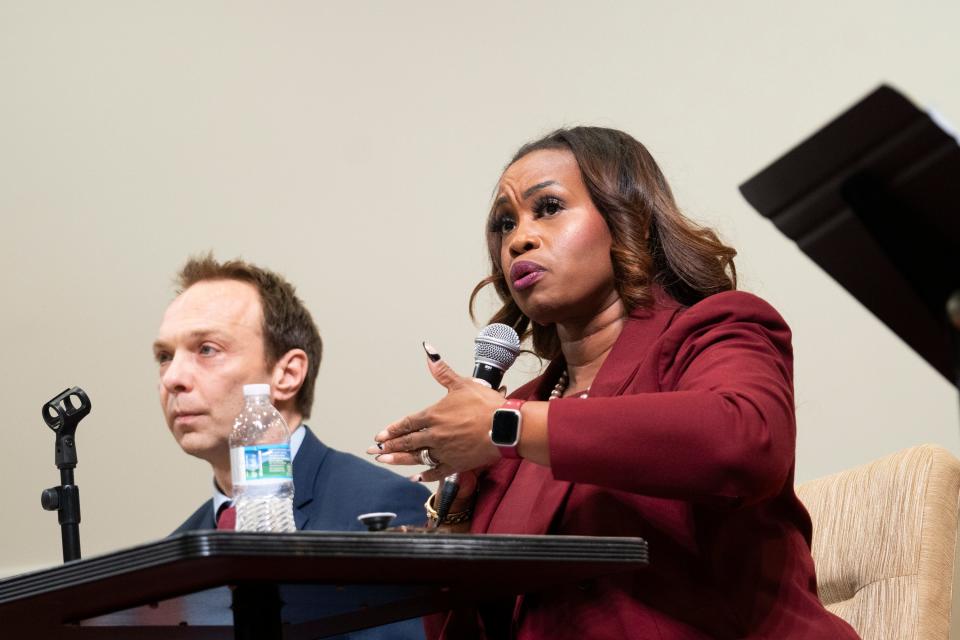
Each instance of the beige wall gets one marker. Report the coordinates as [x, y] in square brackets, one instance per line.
[354, 149]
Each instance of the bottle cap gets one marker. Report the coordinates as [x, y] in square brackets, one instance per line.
[256, 390]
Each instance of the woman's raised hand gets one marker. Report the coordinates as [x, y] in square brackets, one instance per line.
[454, 431]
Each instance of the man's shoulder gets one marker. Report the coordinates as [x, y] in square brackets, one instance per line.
[344, 465]
[202, 518]
[348, 465]
[345, 485]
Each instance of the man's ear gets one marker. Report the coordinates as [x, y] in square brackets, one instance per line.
[288, 375]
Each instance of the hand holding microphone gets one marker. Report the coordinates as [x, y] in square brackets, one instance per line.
[454, 431]
[494, 351]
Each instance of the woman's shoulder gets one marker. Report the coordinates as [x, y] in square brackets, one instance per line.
[731, 306]
[669, 320]
[726, 325]
[731, 315]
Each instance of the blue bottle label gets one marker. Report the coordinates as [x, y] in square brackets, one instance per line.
[261, 462]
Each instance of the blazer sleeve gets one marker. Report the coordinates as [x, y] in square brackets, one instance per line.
[721, 426]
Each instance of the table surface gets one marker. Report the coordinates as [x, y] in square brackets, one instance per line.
[177, 585]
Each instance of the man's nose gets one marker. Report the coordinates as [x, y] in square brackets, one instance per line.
[177, 376]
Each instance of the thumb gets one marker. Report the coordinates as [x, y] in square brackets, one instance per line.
[439, 368]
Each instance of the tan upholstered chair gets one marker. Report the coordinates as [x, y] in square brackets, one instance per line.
[884, 542]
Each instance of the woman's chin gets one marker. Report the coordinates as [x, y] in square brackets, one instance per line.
[542, 314]
[547, 310]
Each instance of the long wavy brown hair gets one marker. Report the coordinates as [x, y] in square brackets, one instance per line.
[652, 241]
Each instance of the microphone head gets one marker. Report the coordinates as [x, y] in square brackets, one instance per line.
[497, 345]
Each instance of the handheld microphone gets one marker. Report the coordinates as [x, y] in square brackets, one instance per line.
[494, 350]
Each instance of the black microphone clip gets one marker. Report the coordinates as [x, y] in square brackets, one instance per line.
[62, 414]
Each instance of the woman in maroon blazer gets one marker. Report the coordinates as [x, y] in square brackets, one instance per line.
[666, 412]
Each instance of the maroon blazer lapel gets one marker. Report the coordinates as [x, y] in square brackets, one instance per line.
[642, 328]
[492, 485]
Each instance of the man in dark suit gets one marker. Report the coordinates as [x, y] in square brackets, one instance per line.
[232, 324]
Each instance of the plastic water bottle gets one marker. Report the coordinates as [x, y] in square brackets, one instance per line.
[260, 465]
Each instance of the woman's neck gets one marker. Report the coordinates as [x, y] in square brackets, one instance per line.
[586, 345]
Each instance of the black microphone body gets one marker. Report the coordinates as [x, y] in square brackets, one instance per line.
[489, 374]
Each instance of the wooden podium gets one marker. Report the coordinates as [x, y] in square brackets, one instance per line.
[330, 582]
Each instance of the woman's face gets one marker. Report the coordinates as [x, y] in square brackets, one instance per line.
[555, 245]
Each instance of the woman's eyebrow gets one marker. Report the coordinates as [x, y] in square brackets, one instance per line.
[540, 185]
[502, 200]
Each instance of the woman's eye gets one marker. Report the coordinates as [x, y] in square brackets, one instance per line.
[504, 225]
[548, 206]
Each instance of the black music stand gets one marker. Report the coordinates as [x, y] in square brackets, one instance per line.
[874, 199]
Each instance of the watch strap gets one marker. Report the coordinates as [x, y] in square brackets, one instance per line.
[513, 403]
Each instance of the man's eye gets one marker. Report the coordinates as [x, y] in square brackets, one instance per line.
[162, 358]
[207, 350]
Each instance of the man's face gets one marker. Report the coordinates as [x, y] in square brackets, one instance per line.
[209, 345]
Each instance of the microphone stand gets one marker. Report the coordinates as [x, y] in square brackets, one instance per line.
[62, 414]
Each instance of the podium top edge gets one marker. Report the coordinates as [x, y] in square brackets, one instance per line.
[201, 546]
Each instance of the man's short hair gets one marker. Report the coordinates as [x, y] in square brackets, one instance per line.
[286, 322]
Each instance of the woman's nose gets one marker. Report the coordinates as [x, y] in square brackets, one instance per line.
[525, 237]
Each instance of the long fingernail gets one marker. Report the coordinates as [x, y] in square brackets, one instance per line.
[383, 435]
[375, 450]
[384, 457]
[431, 352]
[417, 478]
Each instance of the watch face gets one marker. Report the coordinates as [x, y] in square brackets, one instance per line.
[505, 427]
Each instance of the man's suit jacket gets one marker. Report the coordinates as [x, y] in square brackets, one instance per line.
[331, 488]
[687, 440]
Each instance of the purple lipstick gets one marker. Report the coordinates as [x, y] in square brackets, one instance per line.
[525, 274]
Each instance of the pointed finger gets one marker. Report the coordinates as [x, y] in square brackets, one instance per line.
[439, 368]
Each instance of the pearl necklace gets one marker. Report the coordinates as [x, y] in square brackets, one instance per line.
[561, 387]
